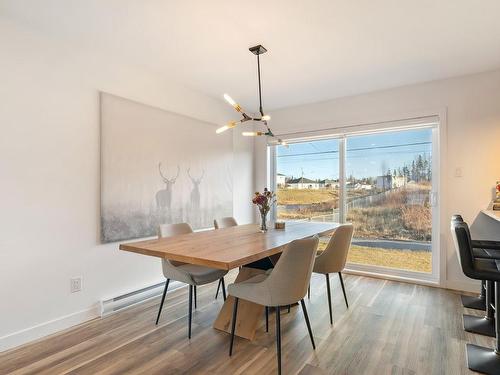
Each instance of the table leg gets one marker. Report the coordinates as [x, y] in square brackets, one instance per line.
[249, 313]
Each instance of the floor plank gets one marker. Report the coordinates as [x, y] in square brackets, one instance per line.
[389, 328]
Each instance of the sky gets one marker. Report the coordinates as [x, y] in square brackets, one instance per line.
[367, 155]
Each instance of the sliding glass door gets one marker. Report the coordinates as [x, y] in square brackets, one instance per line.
[389, 184]
[382, 183]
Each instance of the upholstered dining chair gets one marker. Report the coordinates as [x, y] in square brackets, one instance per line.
[225, 222]
[191, 274]
[284, 285]
[333, 259]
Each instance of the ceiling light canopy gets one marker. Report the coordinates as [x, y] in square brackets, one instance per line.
[261, 118]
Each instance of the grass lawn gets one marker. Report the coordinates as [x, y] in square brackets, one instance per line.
[419, 261]
[306, 196]
[313, 196]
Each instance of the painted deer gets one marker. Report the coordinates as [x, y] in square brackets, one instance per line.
[164, 196]
[195, 193]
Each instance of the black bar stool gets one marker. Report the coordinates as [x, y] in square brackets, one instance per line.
[486, 250]
[480, 359]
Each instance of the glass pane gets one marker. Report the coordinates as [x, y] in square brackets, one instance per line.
[307, 181]
[388, 186]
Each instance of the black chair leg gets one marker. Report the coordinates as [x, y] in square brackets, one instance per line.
[306, 316]
[233, 324]
[309, 292]
[329, 297]
[343, 289]
[162, 300]
[218, 287]
[195, 298]
[267, 319]
[482, 325]
[278, 338]
[223, 288]
[190, 309]
[289, 306]
[486, 360]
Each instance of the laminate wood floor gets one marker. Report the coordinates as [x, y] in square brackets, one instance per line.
[389, 328]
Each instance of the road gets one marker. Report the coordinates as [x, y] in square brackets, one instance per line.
[392, 244]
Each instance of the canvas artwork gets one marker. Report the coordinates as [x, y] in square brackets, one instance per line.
[160, 167]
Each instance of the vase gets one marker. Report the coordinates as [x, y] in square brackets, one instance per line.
[263, 222]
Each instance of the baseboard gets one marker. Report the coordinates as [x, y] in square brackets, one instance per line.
[464, 286]
[457, 285]
[38, 331]
[100, 309]
[402, 279]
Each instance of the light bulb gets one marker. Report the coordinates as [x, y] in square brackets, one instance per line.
[229, 100]
[232, 102]
[230, 125]
[222, 129]
[282, 143]
[251, 134]
[266, 118]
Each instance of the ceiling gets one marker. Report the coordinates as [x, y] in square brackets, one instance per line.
[318, 49]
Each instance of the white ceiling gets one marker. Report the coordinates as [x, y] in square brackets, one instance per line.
[318, 49]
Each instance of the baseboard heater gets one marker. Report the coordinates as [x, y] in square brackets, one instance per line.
[112, 305]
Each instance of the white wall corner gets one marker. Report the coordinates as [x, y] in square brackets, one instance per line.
[38, 331]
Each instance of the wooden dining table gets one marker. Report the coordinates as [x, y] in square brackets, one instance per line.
[227, 249]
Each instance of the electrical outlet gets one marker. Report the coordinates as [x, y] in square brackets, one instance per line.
[75, 284]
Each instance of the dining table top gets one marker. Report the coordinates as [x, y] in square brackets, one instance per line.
[228, 248]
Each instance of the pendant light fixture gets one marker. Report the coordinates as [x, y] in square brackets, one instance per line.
[261, 118]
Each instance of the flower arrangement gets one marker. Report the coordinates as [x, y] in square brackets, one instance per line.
[264, 201]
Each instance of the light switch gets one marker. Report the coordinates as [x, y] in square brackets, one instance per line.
[458, 172]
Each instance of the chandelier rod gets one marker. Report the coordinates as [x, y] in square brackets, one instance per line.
[260, 89]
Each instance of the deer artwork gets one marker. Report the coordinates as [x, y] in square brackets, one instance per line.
[195, 196]
[164, 196]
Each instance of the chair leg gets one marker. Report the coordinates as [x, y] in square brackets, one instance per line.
[218, 287]
[190, 309]
[309, 292]
[343, 289]
[233, 324]
[278, 338]
[223, 288]
[289, 306]
[306, 316]
[267, 319]
[329, 297]
[486, 360]
[195, 298]
[162, 300]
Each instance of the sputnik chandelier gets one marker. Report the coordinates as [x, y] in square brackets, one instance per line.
[261, 118]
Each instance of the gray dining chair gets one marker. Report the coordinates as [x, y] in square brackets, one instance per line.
[191, 274]
[333, 259]
[223, 222]
[284, 285]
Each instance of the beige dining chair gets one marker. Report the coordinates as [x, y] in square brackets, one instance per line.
[223, 222]
[333, 259]
[283, 285]
[191, 274]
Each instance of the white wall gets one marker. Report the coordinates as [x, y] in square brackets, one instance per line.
[472, 142]
[49, 173]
